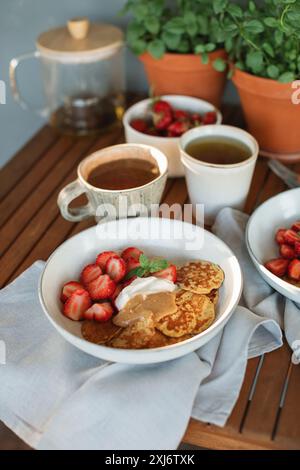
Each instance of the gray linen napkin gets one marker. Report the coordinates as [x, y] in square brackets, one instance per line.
[57, 397]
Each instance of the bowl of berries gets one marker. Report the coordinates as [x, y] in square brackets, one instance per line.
[273, 242]
[162, 121]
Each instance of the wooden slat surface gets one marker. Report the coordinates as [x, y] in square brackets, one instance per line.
[267, 413]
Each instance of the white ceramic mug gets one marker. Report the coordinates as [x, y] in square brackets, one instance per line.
[105, 199]
[213, 185]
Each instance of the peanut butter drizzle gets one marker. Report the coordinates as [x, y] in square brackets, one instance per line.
[142, 306]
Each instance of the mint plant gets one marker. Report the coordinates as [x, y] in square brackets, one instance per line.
[263, 38]
[181, 26]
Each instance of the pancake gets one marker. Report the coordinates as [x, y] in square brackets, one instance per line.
[184, 320]
[99, 332]
[200, 277]
[135, 336]
[205, 315]
[213, 296]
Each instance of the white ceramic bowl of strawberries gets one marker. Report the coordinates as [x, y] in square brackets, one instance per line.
[272, 240]
[173, 240]
[164, 127]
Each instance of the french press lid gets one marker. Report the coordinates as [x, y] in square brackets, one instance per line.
[80, 40]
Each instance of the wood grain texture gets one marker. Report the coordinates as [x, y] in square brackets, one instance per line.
[31, 228]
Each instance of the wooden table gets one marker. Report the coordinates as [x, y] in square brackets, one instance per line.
[267, 413]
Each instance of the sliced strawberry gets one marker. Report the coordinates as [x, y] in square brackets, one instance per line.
[297, 249]
[196, 118]
[117, 291]
[103, 257]
[294, 270]
[169, 273]
[296, 226]
[287, 251]
[102, 287]
[210, 117]
[90, 273]
[132, 263]
[68, 290]
[99, 312]
[279, 237]
[291, 237]
[77, 304]
[116, 268]
[278, 266]
[131, 252]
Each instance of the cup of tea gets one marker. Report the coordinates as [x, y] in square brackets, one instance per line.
[115, 180]
[219, 162]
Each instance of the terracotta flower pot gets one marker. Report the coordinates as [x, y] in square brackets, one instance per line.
[184, 74]
[271, 116]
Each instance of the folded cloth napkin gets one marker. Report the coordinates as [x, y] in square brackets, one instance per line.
[57, 397]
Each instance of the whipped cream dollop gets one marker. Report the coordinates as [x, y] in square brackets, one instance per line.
[143, 286]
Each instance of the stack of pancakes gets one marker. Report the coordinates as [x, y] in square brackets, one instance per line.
[196, 298]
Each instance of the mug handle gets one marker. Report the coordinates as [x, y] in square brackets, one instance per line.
[66, 196]
[43, 112]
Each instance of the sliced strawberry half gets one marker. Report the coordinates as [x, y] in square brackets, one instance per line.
[116, 268]
[297, 249]
[103, 257]
[278, 266]
[287, 251]
[90, 273]
[279, 237]
[296, 226]
[77, 304]
[99, 312]
[294, 270]
[102, 287]
[291, 237]
[68, 290]
[131, 252]
[132, 263]
[170, 273]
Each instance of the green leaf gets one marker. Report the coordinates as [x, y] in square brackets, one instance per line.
[209, 47]
[140, 11]
[271, 22]
[156, 48]
[175, 25]
[234, 10]
[135, 31]
[278, 37]
[144, 261]
[286, 77]
[273, 71]
[152, 25]
[139, 272]
[171, 40]
[158, 265]
[219, 64]
[254, 60]
[254, 26]
[139, 46]
[268, 49]
[204, 58]
[203, 24]
[219, 6]
[251, 6]
[184, 46]
[199, 49]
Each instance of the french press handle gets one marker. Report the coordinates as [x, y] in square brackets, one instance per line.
[43, 112]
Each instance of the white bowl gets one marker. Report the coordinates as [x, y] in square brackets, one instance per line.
[279, 211]
[175, 240]
[168, 145]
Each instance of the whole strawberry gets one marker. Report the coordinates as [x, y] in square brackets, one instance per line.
[177, 128]
[162, 114]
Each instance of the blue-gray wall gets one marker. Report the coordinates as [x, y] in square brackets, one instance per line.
[21, 21]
